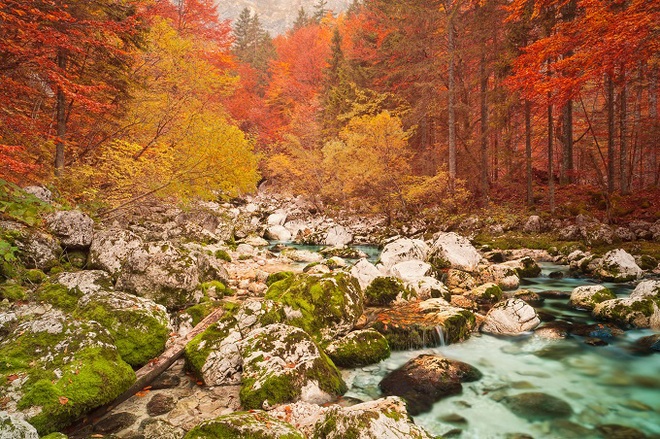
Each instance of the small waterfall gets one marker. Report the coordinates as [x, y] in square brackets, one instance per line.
[440, 335]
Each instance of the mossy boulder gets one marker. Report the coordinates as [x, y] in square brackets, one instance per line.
[139, 326]
[244, 425]
[58, 296]
[325, 306]
[426, 379]
[503, 275]
[214, 355]
[588, 296]
[281, 363]
[365, 272]
[12, 292]
[628, 312]
[57, 368]
[359, 348]
[525, 267]
[12, 427]
[276, 277]
[618, 266]
[35, 248]
[459, 281]
[648, 288]
[510, 317]
[161, 272]
[450, 250]
[110, 249]
[488, 293]
[428, 287]
[382, 418]
[386, 289]
[429, 323]
[73, 227]
[67, 288]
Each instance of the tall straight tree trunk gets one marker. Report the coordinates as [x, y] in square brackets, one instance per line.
[484, 130]
[551, 171]
[637, 162]
[61, 118]
[451, 110]
[610, 133]
[623, 137]
[567, 152]
[653, 116]
[528, 151]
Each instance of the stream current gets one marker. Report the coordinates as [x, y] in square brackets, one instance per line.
[609, 384]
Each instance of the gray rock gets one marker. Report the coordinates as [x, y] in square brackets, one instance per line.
[110, 249]
[12, 427]
[502, 275]
[403, 249]
[86, 281]
[450, 250]
[411, 270]
[162, 273]
[36, 248]
[210, 268]
[459, 281]
[630, 312]
[277, 233]
[281, 363]
[587, 297]
[533, 224]
[255, 424]
[511, 317]
[338, 236]
[365, 272]
[647, 288]
[160, 403]
[537, 406]
[40, 192]
[618, 266]
[276, 219]
[74, 228]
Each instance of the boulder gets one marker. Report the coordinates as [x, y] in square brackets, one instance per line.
[426, 379]
[276, 219]
[162, 273]
[379, 419]
[402, 249]
[12, 427]
[382, 291]
[214, 355]
[533, 224]
[502, 275]
[281, 363]
[647, 288]
[628, 312]
[36, 249]
[74, 228]
[358, 348]
[85, 282]
[255, 241]
[525, 267]
[63, 368]
[510, 317]
[277, 233]
[485, 294]
[254, 424]
[411, 270]
[450, 250]
[365, 272]
[338, 236]
[325, 306]
[618, 266]
[587, 297]
[537, 406]
[110, 249]
[40, 192]
[211, 267]
[429, 323]
[428, 287]
[139, 326]
[459, 281]
[302, 255]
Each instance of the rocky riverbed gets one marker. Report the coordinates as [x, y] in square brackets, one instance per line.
[86, 303]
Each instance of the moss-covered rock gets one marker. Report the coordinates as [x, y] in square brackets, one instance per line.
[140, 327]
[428, 287]
[214, 355]
[525, 267]
[58, 368]
[384, 290]
[244, 425]
[281, 363]
[488, 293]
[429, 323]
[628, 312]
[588, 296]
[503, 275]
[450, 250]
[510, 317]
[110, 249]
[34, 248]
[14, 428]
[324, 306]
[56, 435]
[200, 311]
[276, 277]
[648, 288]
[59, 296]
[12, 292]
[618, 266]
[459, 281]
[359, 348]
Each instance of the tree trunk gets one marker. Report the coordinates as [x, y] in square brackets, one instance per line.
[61, 118]
[653, 116]
[623, 137]
[567, 152]
[484, 131]
[551, 171]
[528, 151]
[610, 134]
[451, 115]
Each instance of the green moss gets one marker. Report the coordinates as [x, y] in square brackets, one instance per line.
[383, 290]
[199, 348]
[602, 296]
[55, 436]
[647, 262]
[139, 337]
[59, 296]
[34, 276]
[244, 425]
[276, 277]
[487, 293]
[200, 311]
[220, 288]
[223, 255]
[529, 268]
[275, 389]
[367, 347]
[12, 292]
[310, 266]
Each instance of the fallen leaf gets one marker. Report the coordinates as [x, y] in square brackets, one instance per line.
[63, 400]
[142, 393]
[12, 377]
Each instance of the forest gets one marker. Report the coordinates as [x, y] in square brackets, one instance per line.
[391, 106]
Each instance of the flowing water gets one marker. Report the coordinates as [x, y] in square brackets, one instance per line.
[603, 384]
